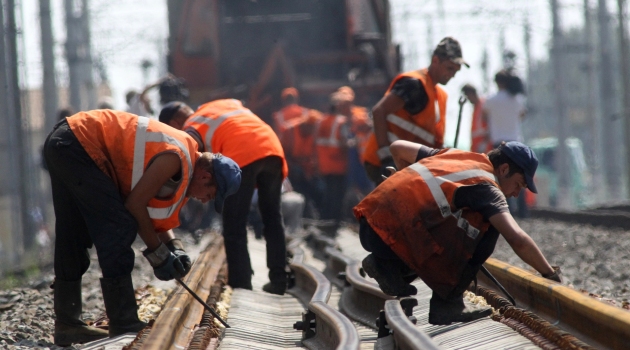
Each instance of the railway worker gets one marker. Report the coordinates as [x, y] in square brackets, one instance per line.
[114, 175]
[413, 108]
[290, 110]
[298, 142]
[226, 126]
[440, 217]
[479, 127]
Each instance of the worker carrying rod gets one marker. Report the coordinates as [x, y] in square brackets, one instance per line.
[115, 175]
[413, 108]
[439, 218]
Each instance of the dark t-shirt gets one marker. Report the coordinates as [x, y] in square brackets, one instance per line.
[483, 198]
[413, 93]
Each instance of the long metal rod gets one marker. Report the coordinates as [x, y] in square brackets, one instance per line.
[208, 307]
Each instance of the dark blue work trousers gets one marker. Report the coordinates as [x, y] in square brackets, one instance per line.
[266, 175]
[89, 210]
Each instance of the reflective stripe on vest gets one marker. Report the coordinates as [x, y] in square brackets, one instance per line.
[142, 137]
[437, 110]
[413, 128]
[392, 137]
[434, 183]
[213, 124]
[331, 140]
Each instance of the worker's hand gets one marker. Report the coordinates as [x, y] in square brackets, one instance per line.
[165, 264]
[177, 248]
[556, 275]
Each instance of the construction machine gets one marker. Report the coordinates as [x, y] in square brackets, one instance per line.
[252, 49]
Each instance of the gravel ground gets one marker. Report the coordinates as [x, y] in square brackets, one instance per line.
[592, 258]
[26, 314]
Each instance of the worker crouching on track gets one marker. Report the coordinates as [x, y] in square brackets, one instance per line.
[115, 175]
[226, 126]
[440, 217]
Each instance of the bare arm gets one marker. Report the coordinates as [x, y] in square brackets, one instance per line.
[390, 103]
[163, 167]
[404, 153]
[522, 244]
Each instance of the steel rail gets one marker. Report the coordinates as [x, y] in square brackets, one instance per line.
[322, 326]
[406, 335]
[590, 320]
[181, 313]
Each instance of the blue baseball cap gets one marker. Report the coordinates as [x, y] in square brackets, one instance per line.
[525, 158]
[228, 178]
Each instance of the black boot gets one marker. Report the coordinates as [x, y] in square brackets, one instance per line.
[443, 312]
[388, 274]
[277, 282]
[121, 306]
[69, 329]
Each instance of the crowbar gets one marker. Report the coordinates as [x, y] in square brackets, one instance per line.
[214, 313]
[462, 100]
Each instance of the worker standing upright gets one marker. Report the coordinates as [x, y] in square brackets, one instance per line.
[413, 108]
[226, 126]
[479, 127]
[298, 142]
[290, 110]
[115, 175]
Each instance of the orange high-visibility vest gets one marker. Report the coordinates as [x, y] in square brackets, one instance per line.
[479, 131]
[361, 128]
[122, 145]
[332, 156]
[226, 127]
[284, 117]
[413, 212]
[426, 127]
[301, 148]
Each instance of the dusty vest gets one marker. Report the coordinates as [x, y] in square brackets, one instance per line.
[332, 156]
[226, 127]
[413, 212]
[122, 145]
[426, 127]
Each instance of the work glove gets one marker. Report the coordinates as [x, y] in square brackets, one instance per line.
[386, 161]
[556, 275]
[165, 264]
[177, 248]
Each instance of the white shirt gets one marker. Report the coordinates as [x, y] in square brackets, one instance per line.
[504, 116]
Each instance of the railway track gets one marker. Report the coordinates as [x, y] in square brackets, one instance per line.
[332, 305]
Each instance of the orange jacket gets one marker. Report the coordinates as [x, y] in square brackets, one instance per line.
[332, 154]
[413, 212]
[479, 131]
[426, 127]
[284, 117]
[300, 148]
[226, 127]
[361, 128]
[122, 145]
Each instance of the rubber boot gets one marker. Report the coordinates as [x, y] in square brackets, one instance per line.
[121, 306]
[443, 312]
[69, 329]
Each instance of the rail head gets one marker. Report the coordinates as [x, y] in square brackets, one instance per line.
[332, 329]
[588, 319]
[406, 335]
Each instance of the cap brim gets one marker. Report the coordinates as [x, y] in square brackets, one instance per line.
[530, 184]
[460, 60]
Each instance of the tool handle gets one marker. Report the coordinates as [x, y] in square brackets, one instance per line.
[210, 309]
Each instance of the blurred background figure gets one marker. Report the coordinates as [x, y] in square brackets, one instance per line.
[290, 110]
[503, 113]
[106, 102]
[479, 127]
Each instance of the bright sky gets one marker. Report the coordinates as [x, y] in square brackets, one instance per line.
[126, 32]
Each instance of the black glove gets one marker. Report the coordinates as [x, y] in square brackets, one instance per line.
[165, 264]
[177, 248]
[556, 275]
